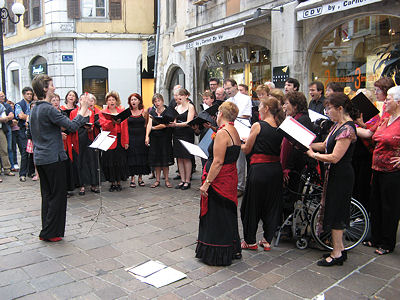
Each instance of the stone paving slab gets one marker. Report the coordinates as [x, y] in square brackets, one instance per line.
[162, 225]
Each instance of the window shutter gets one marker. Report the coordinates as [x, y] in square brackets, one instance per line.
[74, 9]
[115, 10]
[26, 14]
[10, 28]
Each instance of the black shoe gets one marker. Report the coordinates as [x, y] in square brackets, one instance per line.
[186, 186]
[118, 188]
[335, 261]
[112, 188]
[344, 255]
[179, 186]
[237, 256]
[81, 193]
[177, 177]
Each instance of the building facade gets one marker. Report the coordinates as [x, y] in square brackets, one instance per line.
[84, 45]
[252, 41]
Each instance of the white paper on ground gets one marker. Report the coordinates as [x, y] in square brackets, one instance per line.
[243, 128]
[164, 277]
[194, 149]
[297, 131]
[314, 116]
[147, 268]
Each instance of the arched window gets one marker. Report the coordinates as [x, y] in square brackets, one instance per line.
[38, 65]
[178, 77]
[95, 81]
[358, 52]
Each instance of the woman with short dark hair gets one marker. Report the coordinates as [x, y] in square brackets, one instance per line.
[339, 174]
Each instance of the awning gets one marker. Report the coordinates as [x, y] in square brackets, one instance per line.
[211, 37]
[315, 8]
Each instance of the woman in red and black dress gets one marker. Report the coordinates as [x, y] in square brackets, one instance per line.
[218, 240]
[114, 160]
[137, 151]
[263, 195]
[385, 195]
[84, 156]
[71, 103]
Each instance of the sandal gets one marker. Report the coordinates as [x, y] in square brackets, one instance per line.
[168, 184]
[141, 183]
[95, 189]
[381, 251]
[132, 184]
[368, 244]
[246, 246]
[263, 243]
[155, 184]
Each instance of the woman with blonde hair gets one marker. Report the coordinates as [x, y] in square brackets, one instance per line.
[114, 160]
[218, 240]
[159, 139]
[263, 195]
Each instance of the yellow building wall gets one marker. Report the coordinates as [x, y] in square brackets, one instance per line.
[147, 92]
[24, 33]
[137, 17]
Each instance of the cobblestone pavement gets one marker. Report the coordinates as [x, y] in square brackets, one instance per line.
[161, 225]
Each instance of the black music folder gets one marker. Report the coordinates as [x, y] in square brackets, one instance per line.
[362, 103]
[121, 116]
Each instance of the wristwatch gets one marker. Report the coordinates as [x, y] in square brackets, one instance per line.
[208, 181]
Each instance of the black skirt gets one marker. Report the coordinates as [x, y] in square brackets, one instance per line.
[114, 163]
[218, 239]
[160, 152]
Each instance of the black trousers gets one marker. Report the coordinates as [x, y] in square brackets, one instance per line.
[53, 187]
[385, 208]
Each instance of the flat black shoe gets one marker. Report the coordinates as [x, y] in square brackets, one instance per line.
[237, 256]
[344, 255]
[177, 177]
[118, 188]
[81, 193]
[179, 186]
[186, 186]
[335, 261]
[112, 188]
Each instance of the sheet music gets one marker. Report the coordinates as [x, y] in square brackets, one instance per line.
[243, 128]
[297, 131]
[314, 116]
[103, 141]
[194, 149]
[206, 141]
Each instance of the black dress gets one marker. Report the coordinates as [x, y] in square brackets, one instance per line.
[263, 195]
[182, 133]
[137, 151]
[338, 184]
[218, 239]
[160, 151]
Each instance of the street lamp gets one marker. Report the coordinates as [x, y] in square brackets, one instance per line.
[18, 9]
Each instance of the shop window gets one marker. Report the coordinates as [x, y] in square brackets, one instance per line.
[358, 52]
[95, 81]
[37, 66]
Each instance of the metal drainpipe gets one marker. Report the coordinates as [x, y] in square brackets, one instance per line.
[157, 45]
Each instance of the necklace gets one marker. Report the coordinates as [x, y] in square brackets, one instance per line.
[391, 119]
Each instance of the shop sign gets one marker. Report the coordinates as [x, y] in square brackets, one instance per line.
[210, 38]
[67, 57]
[280, 75]
[238, 55]
[332, 7]
[38, 69]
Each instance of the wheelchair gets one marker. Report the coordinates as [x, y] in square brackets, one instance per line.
[303, 221]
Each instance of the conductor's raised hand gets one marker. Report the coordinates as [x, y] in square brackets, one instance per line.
[84, 105]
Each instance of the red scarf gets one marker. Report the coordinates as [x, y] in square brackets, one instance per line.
[224, 184]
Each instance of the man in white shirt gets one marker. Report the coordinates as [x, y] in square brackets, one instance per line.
[244, 104]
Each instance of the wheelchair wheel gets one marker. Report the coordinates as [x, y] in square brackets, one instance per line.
[352, 236]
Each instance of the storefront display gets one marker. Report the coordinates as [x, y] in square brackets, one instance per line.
[358, 52]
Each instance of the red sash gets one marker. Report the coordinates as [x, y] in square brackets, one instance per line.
[224, 184]
[263, 158]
